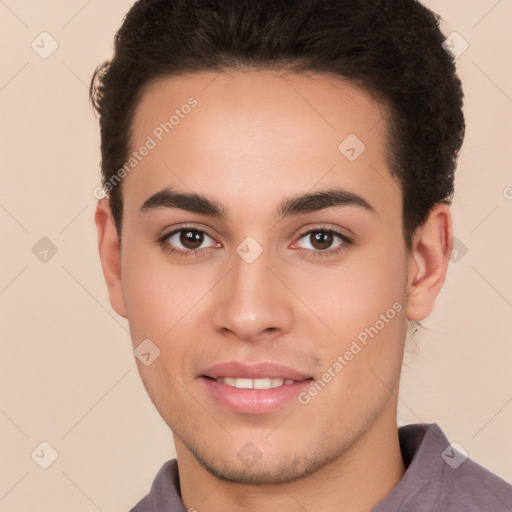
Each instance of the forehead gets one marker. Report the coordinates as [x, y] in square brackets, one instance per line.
[314, 104]
[259, 131]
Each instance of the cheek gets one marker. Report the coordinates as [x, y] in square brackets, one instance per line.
[363, 304]
[159, 301]
[352, 297]
[157, 294]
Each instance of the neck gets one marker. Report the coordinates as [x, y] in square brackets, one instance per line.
[355, 482]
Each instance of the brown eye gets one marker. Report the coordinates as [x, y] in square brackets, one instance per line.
[321, 240]
[191, 239]
[187, 240]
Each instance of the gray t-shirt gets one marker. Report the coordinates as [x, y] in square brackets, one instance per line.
[438, 479]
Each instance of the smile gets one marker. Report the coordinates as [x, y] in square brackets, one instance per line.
[244, 383]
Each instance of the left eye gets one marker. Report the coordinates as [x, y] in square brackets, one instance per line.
[322, 240]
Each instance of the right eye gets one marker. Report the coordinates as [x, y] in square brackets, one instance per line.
[186, 241]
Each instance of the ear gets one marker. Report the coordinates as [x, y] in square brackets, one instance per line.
[110, 255]
[428, 262]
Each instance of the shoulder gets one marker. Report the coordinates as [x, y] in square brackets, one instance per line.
[164, 493]
[471, 487]
[440, 476]
[142, 506]
[455, 481]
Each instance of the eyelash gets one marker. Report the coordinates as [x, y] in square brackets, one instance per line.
[347, 242]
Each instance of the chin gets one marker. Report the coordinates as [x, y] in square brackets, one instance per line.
[271, 469]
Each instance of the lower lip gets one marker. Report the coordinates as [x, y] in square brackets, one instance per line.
[254, 401]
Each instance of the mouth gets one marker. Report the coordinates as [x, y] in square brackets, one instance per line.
[253, 388]
[244, 383]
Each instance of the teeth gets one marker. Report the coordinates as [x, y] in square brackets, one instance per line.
[243, 383]
[266, 383]
[275, 383]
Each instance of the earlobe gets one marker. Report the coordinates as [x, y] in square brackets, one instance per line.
[110, 255]
[428, 262]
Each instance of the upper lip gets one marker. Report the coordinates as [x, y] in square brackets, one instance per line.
[253, 371]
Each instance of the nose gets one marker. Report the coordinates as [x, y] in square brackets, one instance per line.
[252, 301]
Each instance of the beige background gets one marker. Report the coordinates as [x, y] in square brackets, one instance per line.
[68, 376]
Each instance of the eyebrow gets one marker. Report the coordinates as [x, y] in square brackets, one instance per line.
[297, 205]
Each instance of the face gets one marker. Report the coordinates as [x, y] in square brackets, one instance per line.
[262, 247]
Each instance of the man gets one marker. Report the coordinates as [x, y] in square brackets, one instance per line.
[279, 175]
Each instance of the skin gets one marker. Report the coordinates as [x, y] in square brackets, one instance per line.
[255, 139]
